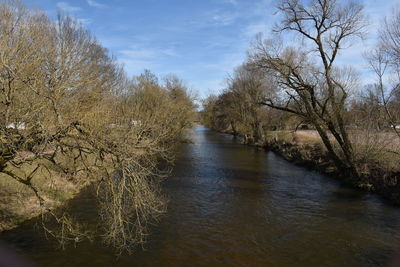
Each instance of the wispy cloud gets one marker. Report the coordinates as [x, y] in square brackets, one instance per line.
[202, 40]
[209, 86]
[224, 19]
[169, 52]
[227, 62]
[67, 7]
[136, 59]
[232, 2]
[138, 53]
[134, 67]
[84, 21]
[95, 4]
[147, 53]
[214, 18]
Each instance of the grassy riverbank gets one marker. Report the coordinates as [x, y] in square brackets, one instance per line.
[379, 172]
[19, 203]
[378, 162]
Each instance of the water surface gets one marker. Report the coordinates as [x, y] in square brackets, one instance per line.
[234, 205]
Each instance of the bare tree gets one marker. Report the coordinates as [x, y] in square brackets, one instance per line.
[380, 64]
[207, 115]
[307, 82]
[247, 87]
[385, 63]
[390, 39]
[68, 110]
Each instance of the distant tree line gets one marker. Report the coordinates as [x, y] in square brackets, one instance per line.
[68, 108]
[286, 86]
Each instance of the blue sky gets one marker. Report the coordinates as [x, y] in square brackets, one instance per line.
[199, 40]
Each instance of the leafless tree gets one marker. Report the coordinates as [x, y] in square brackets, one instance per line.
[384, 60]
[68, 110]
[386, 88]
[247, 87]
[306, 81]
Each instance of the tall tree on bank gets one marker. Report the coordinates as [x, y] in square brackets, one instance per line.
[69, 113]
[305, 79]
[384, 61]
[247, 87]
[237, 108]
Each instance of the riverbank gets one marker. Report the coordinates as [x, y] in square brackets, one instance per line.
[233, 205]
[18, 203]
[378, 175]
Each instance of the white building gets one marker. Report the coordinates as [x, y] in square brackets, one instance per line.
[18, 126]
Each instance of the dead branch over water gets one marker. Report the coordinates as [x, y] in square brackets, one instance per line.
[69, 112]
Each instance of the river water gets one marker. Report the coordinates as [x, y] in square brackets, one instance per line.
[234, 205]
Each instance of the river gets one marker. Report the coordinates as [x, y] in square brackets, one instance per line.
[235, 205]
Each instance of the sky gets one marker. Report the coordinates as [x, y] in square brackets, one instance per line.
[201, 41]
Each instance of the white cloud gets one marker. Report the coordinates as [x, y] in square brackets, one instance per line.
[232, 2]
[252, 29]
[169, 52]
[95, 4]
[224, 19]
[136, 59]
[138, 53]
[207, 87]
[84, 21]
[136, 66]
[67, 7]
[147, 53]
[227, 62]
[214, 17]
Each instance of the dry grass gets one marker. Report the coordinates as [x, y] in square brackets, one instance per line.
[19, 203]
[379, 148]
[305, 137]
